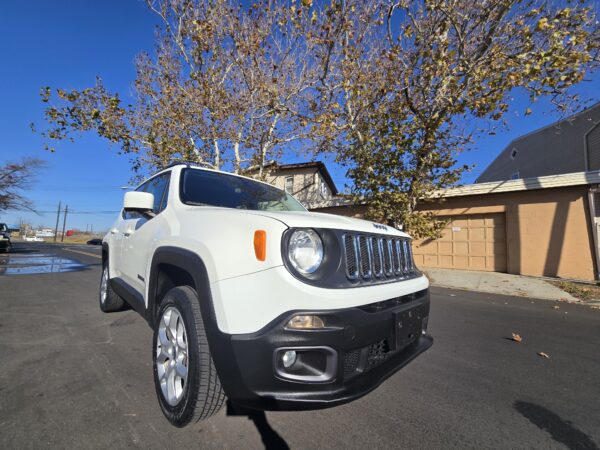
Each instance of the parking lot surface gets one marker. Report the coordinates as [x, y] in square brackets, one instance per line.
[73, 377]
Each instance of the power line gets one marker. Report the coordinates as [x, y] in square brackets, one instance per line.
[80, 212]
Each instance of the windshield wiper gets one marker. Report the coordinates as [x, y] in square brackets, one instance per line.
[197, 204]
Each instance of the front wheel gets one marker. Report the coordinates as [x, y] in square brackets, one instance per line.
[185, 378]
[109, 300]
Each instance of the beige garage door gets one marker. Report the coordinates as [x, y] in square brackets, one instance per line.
[471, 242]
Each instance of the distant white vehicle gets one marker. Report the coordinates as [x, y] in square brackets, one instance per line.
[45, 232]
[33, 239]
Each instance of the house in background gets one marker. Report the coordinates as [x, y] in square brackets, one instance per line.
[309, 182]
[568, 146]
[534, 211]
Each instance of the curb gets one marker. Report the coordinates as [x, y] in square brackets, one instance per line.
[573, 302]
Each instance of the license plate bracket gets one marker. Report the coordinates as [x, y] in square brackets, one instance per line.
[407, 327]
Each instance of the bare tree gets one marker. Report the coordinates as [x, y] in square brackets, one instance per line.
[16, 177]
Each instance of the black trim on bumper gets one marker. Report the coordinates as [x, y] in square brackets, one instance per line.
[246, 366]
[245, 362]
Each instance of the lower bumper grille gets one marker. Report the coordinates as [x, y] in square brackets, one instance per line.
[364, 359]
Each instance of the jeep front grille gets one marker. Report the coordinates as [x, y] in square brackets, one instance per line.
[379, 257]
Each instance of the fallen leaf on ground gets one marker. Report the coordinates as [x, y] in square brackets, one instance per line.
[544, 355]
[595, 307]
[556, 307]
[516, 338]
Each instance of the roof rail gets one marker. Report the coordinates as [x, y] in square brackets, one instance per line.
[188, 163]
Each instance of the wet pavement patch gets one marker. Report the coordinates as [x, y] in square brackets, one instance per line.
[36, 263]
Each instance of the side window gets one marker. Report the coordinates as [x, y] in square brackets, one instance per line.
[324, 189]
[157, 186]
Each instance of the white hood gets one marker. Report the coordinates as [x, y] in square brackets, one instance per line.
[307, 219]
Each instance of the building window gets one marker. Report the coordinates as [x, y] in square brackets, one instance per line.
[289, 185]
[324, 190]
[514, 153]
[515, 176]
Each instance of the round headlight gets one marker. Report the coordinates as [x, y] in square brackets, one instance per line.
[305, 251]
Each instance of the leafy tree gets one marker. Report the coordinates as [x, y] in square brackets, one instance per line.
[16, 177]
[447, 65]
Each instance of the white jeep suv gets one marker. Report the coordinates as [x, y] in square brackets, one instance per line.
[254, 298]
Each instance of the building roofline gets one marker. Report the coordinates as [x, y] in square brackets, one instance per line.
[537, 130]
[319, 165]
[523, 184]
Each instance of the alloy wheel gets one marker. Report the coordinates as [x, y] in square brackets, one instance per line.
[172, 356]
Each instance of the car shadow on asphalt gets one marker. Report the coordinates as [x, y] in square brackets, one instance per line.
[270, 438]
[561, 430]
[17, 249]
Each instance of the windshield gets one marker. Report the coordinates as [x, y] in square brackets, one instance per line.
[201, 187]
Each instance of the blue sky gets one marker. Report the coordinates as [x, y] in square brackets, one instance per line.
[67, 44]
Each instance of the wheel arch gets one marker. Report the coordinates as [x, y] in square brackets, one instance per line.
[104, 253]
[172, 267]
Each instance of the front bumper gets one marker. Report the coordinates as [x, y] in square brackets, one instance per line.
[364, 345]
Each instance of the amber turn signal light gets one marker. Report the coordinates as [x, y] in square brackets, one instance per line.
[260, 244]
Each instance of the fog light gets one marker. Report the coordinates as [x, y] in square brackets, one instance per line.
[289, 358]
[306, 322]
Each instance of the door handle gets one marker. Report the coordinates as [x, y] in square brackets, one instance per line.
[114, 231]
[128, 233]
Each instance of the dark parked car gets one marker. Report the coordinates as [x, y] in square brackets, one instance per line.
[95, 241]
[5, 244]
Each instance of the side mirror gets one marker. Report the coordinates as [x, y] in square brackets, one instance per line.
[141, 202]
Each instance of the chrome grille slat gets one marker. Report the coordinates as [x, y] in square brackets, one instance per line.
[411, 261]
[388, 265]
[397, 257]
[375, 244]
[365, 256]
[405, 254]
[351, 249]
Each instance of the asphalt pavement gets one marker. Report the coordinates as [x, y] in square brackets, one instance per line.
[73, 377]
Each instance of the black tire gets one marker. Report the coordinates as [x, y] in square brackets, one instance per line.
[111, 302]
[202, 394]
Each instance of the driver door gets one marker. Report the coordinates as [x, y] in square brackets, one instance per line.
[139, 233]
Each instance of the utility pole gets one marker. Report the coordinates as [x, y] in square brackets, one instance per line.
[62, 239]
[56, 227]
